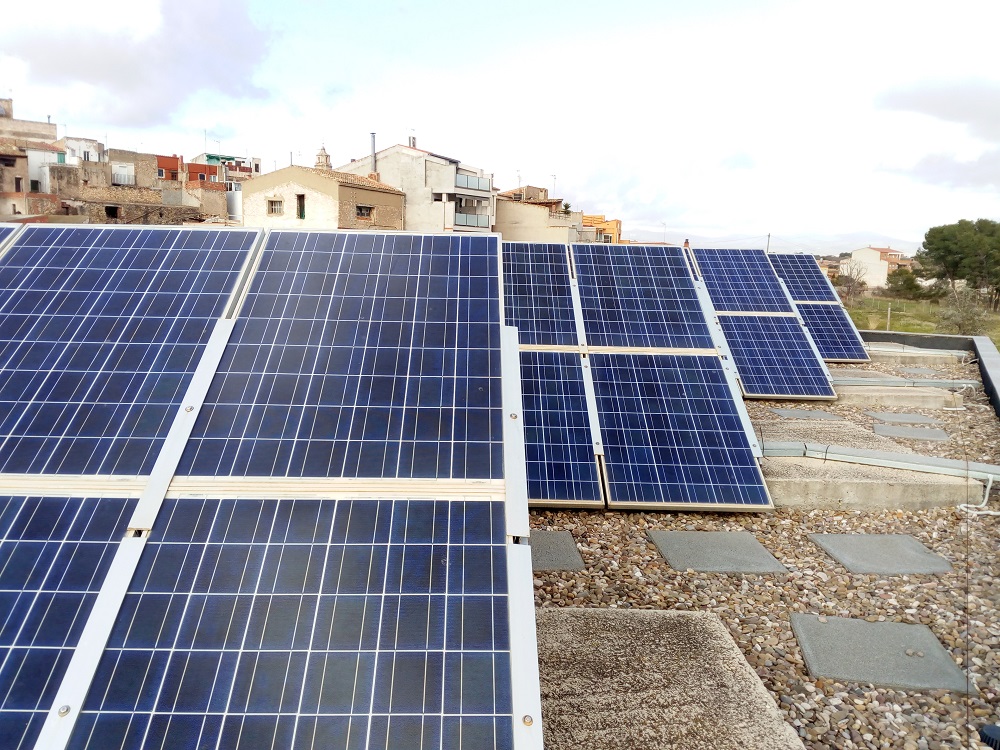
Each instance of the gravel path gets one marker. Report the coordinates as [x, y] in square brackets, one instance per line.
[624, 569]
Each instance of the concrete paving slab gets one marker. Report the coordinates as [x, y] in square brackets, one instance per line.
[715, 552]
[891, 554]
[914, 357]
[918, 370]
[886, 654]
[912, 433]
[857, 372]
[807, 414]
[554, 550]
[653, 680]
[893, 418]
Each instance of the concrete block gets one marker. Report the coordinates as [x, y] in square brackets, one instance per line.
[886, 654]
[814, 483]
[918, 357]
[894, 418]
[554, 550]
[715, 552]
[918, 371]
[889, 554]
[806, 414]
[910, 433]
[651, 679]
[919, 398]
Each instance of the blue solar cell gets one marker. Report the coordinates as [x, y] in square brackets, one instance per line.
[741, 281]
[639, 296]
[834, 332]
[5, 232]
[805, 280]
[774, 357]
[537, 297]
[672, 433]
[360, 356]
[54, 554]
[561, 466]
[100, 331]
[311, 623]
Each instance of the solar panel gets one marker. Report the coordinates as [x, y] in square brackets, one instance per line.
[311, 623]
[774, 356]
[6, 231]
[562, 467]
[832, 329]
[100, 331]
[758, 320]
[640, 296]
[360, 355]
[54, 555]
[834, 332]
[537, 294]
[804, 278]
[673, 434]
[742, 281]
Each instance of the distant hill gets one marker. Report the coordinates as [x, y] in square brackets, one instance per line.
[815, 244]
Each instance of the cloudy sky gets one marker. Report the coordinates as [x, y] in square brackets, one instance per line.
[721, 118]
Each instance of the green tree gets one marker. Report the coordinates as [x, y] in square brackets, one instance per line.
[903, 284]
[967, 251]
[964, 314]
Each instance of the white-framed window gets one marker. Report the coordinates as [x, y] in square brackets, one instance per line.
[201, 176]
[161, 173]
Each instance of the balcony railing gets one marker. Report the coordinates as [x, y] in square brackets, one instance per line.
[472, 182]
[472, 220]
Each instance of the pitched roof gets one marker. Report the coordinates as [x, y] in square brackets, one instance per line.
[346, 178]
[9, 147]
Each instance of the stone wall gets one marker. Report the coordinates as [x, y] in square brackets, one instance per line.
[387, 209]
[145, 165]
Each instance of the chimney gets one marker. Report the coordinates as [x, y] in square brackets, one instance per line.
[373, 169]
[687, 245]
[413, 141]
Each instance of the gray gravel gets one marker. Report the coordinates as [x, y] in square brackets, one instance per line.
[623, 569]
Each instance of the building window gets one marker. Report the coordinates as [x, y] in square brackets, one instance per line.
[18, 184]
[111, 212]
[300, 206]
[161, 173]
[215, 178]
[256, 167]
[201, 176]
[36, 186]
[86, 156]
[60, 158]
[364, 212]
[275, 208]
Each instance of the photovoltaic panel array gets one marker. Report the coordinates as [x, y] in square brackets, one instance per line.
[562, 467]
[649, 398]
[640, 296]
[100, 332]
[537, 295]
[54, 555]
[803, 277]
[774, 356]
[299, 605]
[360, 356]
[673, 434]
[305, 624]
[832, 329]
[6, 231]
[742, 281]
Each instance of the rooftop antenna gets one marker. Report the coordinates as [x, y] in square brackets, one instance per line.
[553, 185]
[519, 179]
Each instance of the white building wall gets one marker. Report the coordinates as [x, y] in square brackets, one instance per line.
[422, 175]
[527, 222]
[322, 209]
[876, 270]
[38, 162]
